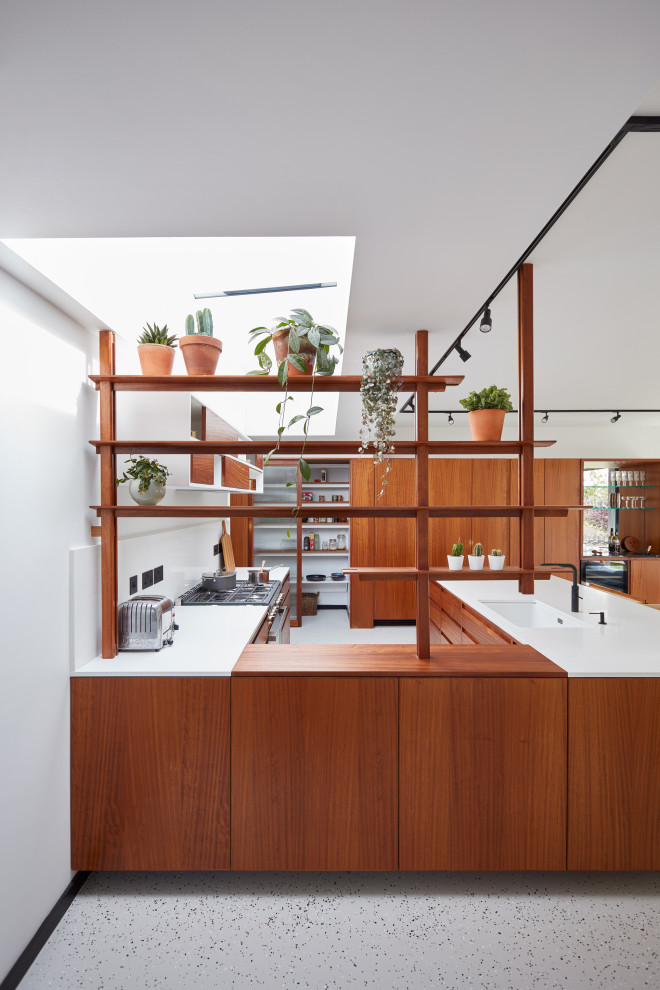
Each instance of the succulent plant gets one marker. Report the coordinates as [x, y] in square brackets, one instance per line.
[157, 335]
[496, 553]
[489, 398]
[457, 549]
[204, 323]
[381, 381]
[477, 550]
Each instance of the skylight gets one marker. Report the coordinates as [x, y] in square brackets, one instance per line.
[129, 281]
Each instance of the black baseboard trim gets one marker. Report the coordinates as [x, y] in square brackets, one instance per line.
[43, 933]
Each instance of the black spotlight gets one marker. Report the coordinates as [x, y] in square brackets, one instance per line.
[462, 353]
[450, 420]
[486, 324]
[615, 419]
[544, 419]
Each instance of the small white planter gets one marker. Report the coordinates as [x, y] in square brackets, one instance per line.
[476, 563]
[496, 563]
[455, 563]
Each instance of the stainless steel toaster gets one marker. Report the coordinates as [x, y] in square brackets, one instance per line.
[146, 622]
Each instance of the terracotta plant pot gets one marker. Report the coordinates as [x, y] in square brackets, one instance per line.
[156, 359]
[200, 353]
[307, 353]
[486, 424]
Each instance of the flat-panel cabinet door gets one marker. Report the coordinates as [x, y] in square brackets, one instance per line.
[150, 773]
[450, 483]
[563, 536]
[482, 769]
[394, 543]
[314, 773]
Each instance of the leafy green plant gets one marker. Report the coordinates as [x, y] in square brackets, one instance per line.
[145, 471]
[488, 398]
[381, 381]
[156, 335]
[477, 550]
[304, 336]
[204, 323]
[457, 549]
[496, 553]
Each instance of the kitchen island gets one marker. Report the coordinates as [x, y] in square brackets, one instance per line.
[491, 755]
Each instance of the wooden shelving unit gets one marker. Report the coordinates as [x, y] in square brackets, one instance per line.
[108, 446]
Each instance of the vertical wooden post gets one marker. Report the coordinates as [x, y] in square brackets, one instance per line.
[108, 418]
[526, 422]
[299, 543]
[422, 498]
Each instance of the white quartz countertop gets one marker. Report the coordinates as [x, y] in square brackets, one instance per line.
[208, 642]
[627, 646]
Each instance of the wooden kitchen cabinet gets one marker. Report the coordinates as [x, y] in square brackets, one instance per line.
[362, 545]
[644, 580]
[150, 773]
[563, 536]
[394, 543]
[613, 793]
[482, 764]
[314, 773]
[450, 483]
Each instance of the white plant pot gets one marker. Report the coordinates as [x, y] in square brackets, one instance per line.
[496, 563]
[455, 563]
[476, 563]
[153, 495]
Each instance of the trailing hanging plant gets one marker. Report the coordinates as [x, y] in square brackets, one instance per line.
[381, 380]
[145, 471]
[302, 347]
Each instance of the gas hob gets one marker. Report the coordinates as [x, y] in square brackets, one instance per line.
[243, 594]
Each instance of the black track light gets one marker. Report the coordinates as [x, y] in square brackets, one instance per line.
[545, 418]
[450, 420]
[616, 418]
[462, 353]
[486, 324]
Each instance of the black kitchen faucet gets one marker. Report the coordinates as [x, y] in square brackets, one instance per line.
[575, 594]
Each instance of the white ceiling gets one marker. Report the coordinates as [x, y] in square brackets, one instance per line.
[442, 135]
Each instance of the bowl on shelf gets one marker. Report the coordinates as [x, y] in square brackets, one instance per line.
[338, 576]
[315, 577]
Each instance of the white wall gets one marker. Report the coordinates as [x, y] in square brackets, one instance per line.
[47, 412]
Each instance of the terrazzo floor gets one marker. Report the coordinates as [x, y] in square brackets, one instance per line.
[409, 931]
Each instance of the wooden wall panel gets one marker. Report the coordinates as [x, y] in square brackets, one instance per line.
[241, 533]
[314, 773]
[362, 545]
[235, 474]
[613, 796]
[450, 483]
[563, 536]
[482, 767]
[150, 773]
[539, 524]
[491, 485]
[394, 543]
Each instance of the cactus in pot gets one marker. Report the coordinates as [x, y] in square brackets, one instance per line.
[199, 347]
[476, 558]
[496, 560]
[455, 558]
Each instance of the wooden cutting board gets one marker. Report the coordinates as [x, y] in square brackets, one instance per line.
[227, 549]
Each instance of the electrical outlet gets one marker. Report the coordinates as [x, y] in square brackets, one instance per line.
[158, 574]
[132, 585]
[147, 579]
[216, 549]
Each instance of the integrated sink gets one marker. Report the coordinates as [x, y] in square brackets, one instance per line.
[533, 614]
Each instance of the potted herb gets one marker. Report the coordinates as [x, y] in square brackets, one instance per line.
[455, 558]
[156, 350]
[486, 412]
[302, 347]
[147, 480]
[496, 560]
[381, 381]
[476, 558]
[199, 347]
